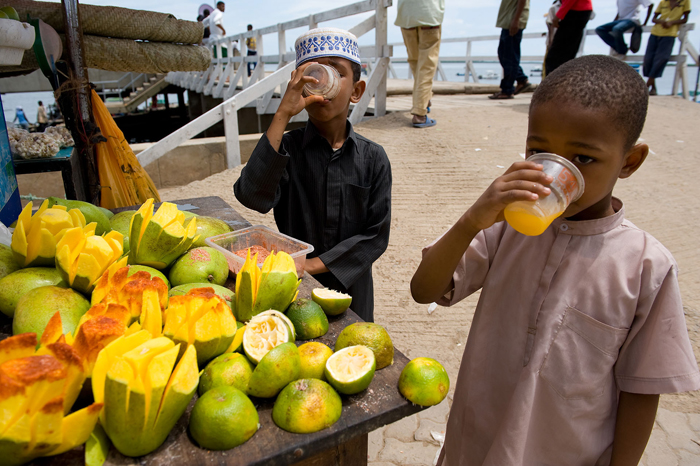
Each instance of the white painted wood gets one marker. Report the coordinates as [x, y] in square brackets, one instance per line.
[233, 146]
[364, 27]
[380, 41]
[373, 83]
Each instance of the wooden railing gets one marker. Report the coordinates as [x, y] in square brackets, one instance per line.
[681, 76]
[227, 77]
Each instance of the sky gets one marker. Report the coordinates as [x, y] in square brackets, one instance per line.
[463, 18]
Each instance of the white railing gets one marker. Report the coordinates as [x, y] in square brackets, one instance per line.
[222, 78]
[681, 76]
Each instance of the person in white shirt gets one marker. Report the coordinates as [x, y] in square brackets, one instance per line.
[628, 17]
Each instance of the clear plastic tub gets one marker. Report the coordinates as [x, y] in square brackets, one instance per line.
[259, 235]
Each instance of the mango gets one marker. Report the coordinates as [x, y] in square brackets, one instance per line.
[8, 264]
[151, 271]
[143, 391]
[208, 227]
[37, 307]
[223, 292]
[91, 213]
[18, 283]
[82, 256]
[200, 319]
[121, 222]
[35, 237]
[156, 240]
[200, 265]
[273, 287]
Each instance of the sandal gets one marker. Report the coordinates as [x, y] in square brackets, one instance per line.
[426, 124]
[500, 96]
[522, 87]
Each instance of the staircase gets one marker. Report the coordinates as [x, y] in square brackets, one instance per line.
[137, 90]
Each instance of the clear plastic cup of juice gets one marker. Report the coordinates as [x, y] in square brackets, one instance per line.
[328, 84]
[532, 218]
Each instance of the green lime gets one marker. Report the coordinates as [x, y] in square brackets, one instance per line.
[229, 369]
[313, 360]
[223, 418]
[306, 406]
[308, 319]
[424, 382]
[371, 335]
[332, 302]
[280, 366]
[351, 369]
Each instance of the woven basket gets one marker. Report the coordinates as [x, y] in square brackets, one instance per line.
[112, 21]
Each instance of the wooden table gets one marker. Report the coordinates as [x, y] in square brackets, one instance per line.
[344, 443]
[66, 162]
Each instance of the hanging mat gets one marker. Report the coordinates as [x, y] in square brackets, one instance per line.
[124, 181]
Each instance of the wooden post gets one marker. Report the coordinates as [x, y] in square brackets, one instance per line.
[281, 45]
[76, 104]
[380, 44]
[312, 22]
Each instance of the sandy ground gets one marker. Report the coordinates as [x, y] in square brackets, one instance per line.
[440, 171]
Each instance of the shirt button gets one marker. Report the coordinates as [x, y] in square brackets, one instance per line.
[564, 227]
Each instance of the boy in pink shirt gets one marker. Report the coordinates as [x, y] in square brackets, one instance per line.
[578, 330]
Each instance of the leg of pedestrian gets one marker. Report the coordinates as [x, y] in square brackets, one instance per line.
[428, 56]
[567, 39]
[509, 57]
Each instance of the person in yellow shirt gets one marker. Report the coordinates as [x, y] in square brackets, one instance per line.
[251, 45]
[669, 15]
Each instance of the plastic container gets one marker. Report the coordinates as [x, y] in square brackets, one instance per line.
[15, 38]
[259, 235]
[533, 218]
[328, 84]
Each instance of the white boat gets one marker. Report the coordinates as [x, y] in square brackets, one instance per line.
[490, 74]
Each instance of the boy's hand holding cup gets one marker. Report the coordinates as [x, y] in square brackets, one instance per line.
[294, 100]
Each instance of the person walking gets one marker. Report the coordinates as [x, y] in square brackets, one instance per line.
[21, 118]
[421, 26]
[512, 19]
[669, 15]
[251, 45]
[215, 23]
[41, 119]
[628, 17]
[570, 21]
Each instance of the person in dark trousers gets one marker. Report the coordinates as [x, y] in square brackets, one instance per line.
[512, 19]
[669, 15]
[628, 17]
[251, 45]
[570, 21]
[328, 185]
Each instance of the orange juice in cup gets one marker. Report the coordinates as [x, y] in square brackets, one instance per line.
[532, 218]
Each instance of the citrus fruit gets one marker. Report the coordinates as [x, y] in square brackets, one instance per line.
[308, 319]
[424, 382]
[371, 335]
[306, 406]
[313, 360]
[36, 307]
[280, 366]
[272, 312]
[332, 302]
[229, 369]
[351, 369]
[223, 418]
[263, 333]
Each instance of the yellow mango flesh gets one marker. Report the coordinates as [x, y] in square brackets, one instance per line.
[107, 356]
[76, 428]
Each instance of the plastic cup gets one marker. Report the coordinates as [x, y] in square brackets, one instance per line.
[532, 218]
[328, 84]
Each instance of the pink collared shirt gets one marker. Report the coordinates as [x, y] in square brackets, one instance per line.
[566, 320]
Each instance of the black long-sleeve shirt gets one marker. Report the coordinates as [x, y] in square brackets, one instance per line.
[338, 201]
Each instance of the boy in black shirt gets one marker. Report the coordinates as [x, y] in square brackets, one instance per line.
[328, 185]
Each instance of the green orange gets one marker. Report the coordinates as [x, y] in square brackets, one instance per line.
[223, 418]
[313, 360]
[371, 335]
[351, 369]
[229, 369]
[308, 319]
[306, 406]
[332, 302]
[424, 382]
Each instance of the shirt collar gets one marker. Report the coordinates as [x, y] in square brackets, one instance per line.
[311, 133]
[591, 227]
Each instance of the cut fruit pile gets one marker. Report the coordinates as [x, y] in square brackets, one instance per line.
[263, 333]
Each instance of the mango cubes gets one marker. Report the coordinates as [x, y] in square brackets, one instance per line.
[82, 257]
[143, 390]
[35, 237]
[156, 240]
[273, 287]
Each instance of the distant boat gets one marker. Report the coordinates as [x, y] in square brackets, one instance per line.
[536, 72]
[490, 74]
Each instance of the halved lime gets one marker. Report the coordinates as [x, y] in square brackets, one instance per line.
[332, 302]
[351, 369]
[272, 312]
[263, 333]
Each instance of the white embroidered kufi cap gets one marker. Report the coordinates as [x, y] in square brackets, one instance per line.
[326, 42]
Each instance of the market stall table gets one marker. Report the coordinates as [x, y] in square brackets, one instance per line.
[65, 161]
[344, 443]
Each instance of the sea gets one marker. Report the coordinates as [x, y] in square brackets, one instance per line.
[453, 71]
